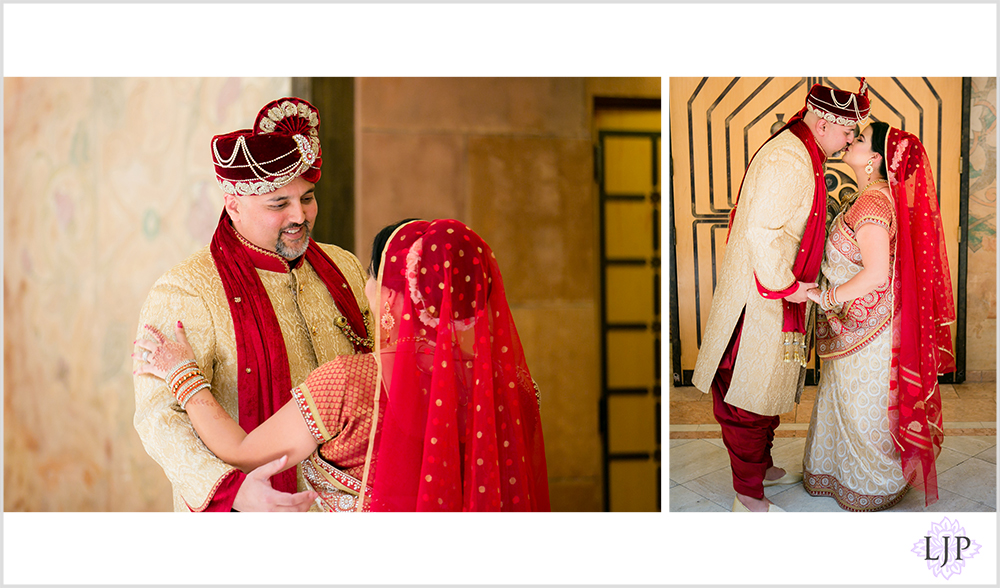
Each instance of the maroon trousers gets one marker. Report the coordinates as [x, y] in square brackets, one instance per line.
[748, 436]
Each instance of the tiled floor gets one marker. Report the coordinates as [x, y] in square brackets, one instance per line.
[701, 480]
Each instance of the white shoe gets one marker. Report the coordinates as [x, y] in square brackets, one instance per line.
[788, 478]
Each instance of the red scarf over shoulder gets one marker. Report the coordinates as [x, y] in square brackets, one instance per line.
[264, 382]
[807, 262]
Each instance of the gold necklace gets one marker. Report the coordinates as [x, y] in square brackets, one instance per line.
[850, 199]
[872, 183]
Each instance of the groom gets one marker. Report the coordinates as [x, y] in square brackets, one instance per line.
[755, 349]
[263, 306]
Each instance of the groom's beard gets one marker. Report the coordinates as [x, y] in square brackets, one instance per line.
[292, 249]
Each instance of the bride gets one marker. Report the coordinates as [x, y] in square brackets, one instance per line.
[885, 302]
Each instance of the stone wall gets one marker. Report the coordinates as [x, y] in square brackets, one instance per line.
[108, 182]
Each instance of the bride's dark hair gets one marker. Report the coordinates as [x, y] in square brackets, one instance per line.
[879, 132]
[378, 244]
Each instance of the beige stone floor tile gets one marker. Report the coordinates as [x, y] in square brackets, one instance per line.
[709, 427]
[974, 479]
[809, 393]
[691, 413]
[796, 499]
[782, 441]
[803, 413]
[684, 500]
[949, 458]
[695, 460]
[794, 427]
[989, 424]
[966, 483]
[772, 491]
[789, 456]
[963, 425]
[968, 444]
[948, 391]
[685, 394]
[988, 455]
[683, 428]
[947, 502]
[679, 442]
[978, 409]
[717, 487]
[976, 390]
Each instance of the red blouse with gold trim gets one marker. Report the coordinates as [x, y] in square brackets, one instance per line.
[850, 326]
[337, 402]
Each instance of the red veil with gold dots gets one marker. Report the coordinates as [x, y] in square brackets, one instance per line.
[462, 430]
[922, 347]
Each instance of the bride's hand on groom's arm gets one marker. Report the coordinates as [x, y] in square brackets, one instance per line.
[159, 355]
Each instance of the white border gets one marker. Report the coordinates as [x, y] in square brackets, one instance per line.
[499, 39]
[507, 549]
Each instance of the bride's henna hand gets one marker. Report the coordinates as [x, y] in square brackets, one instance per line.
[164, 354]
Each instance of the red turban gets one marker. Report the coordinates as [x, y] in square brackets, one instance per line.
[839, 106]
[283, 145]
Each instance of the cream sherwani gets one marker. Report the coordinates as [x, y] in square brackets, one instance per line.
[192, 292]
[772, 211]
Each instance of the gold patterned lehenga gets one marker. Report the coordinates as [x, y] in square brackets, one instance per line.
[851, 452]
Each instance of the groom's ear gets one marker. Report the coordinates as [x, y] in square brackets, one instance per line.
[233, 207]
[821, 126]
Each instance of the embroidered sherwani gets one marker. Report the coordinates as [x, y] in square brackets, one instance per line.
[774, 205]
[193, 292]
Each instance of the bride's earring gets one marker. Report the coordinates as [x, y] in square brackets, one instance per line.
[869, 168]
[387, 321]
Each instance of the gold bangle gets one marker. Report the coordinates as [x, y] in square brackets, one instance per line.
[189, 392]
[177, 369]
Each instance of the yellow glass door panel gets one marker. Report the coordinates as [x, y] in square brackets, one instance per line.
[628, 170]
[630, 484]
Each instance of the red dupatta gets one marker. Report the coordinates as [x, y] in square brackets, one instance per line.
[807, 263]
[924, 348]
[462, 430]
[264, 381]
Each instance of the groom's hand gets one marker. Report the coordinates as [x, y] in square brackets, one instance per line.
[257, 495]
[799, 295]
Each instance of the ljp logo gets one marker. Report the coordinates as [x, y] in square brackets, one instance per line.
[946, 548]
